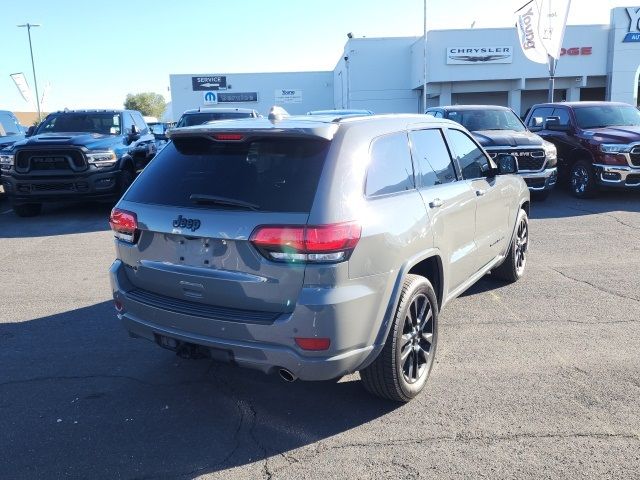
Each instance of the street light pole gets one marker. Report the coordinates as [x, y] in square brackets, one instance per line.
[424, 85]
[33, 65]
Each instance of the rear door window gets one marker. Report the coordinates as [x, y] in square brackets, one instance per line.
[276, 175]
[432, 158]
[563, 115]
[390, 168]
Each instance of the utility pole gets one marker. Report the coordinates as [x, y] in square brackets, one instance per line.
[424, 85]
[33, 66]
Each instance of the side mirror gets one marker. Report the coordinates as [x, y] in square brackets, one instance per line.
[30, 131]
[506, 164]
[536, 124]
[132, 136]
[553, 124]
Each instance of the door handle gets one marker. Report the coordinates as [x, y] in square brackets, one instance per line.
[435, 203]
[480, 192]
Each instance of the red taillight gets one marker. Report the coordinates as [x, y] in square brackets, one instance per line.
[124, 224]
[322, 243]
[228, 137]
[313, 343]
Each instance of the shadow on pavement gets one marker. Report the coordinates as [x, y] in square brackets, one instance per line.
[80, 399]
[58, 219]
[561, 204]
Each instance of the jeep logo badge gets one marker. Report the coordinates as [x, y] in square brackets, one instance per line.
[192, 224]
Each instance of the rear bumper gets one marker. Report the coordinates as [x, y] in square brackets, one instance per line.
[347, 315]
[42, 189]
[540, 181]
[617, 176]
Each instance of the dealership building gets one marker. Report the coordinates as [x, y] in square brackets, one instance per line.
[471, 66]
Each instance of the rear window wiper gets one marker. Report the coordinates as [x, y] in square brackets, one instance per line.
[215, 200]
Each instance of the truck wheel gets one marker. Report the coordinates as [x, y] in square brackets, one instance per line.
[513, 266]
[27, 209]
[582, 182]
[402, 367]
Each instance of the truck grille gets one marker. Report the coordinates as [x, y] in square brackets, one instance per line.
[528, 160]
[50, 160]
[201, 310]
[635, 156]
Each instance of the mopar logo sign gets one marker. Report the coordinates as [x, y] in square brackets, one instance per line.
[210, 98]
[288, 95]
[634, 25]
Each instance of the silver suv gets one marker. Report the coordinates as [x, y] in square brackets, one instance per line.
[315, 246]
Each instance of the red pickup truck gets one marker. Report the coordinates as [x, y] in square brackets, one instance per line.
[598, 143]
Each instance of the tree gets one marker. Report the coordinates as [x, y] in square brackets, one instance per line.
[148, 103]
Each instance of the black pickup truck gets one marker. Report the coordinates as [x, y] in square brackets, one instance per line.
[499, 130]
[75, 156]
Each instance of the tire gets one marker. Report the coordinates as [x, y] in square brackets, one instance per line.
[540, 196]
[512, 269]
[390, 376]
[582, 180]
[27, 209]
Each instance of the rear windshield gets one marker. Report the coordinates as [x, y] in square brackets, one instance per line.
[275, 175]
[190, 119]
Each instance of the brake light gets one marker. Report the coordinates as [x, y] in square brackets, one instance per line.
[124, 225]
[313, 343]
[314, 244]
[226, 137]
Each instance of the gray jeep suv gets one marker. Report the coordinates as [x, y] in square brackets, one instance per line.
[315, 246]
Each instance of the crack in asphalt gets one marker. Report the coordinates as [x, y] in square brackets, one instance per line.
[585, 282]
[610, 215]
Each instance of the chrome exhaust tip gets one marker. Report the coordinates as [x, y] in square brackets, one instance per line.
[286, 375]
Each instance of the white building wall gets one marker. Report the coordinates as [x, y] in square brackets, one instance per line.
[376, 76]
[317, 91]
[624, 57]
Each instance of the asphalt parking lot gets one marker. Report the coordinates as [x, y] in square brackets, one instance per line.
[539, 379]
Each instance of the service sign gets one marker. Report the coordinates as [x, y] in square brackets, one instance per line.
[479, 55]
[288, 95]
[212, 82]
[633, 34]
[237, 97]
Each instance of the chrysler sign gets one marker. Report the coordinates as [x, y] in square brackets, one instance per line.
[479, 55]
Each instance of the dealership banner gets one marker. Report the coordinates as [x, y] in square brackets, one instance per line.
[553, 20]
[23, 87]
[479, 55]
[528, 26]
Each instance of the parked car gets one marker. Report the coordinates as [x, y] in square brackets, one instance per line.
[76, 155]
[317, 248]
[340, 112]
[598, 143]
[499, 130]
[10, 129]
[199, 116]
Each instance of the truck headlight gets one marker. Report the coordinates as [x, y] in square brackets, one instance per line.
[6, 161]
[103, 159]
[614, 148]
[551, 153]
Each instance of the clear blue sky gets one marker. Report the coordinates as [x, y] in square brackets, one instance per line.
[94, 53]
